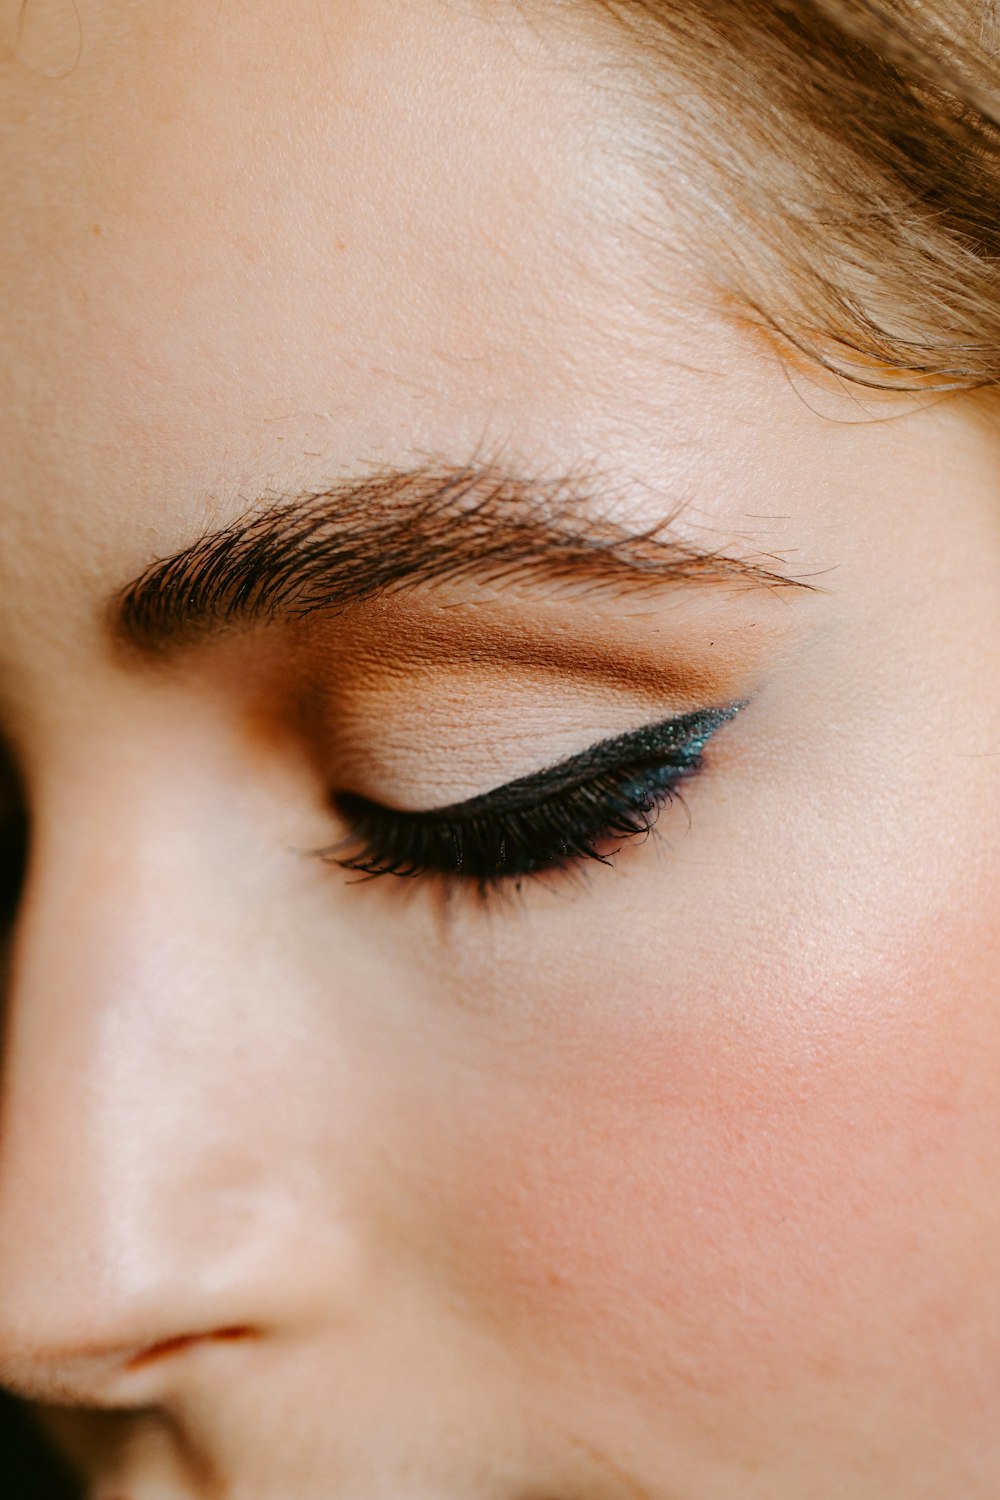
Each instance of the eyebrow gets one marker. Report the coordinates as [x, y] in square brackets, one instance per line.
[396, 529]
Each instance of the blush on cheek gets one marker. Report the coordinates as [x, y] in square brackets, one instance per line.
[735, 1225]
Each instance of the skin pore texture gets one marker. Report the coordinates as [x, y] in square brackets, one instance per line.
[673, 1179]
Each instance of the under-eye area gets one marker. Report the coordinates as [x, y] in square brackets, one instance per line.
[580, 809]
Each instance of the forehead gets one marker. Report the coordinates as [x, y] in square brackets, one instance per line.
[235, 218]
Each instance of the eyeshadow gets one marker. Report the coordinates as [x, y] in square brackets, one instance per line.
[676, 743]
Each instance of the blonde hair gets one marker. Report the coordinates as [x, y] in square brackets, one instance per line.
[849, 157]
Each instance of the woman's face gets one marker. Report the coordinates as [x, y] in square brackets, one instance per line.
[675, 1177]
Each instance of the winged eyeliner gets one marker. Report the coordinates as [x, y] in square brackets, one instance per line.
[553, 817]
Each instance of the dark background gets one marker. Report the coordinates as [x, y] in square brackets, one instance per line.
[28, 1471]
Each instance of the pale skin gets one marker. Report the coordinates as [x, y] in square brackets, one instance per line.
[676, 1178]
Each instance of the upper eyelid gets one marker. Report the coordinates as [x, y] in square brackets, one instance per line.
[650, 740]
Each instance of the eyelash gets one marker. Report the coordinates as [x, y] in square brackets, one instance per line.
[486, 844]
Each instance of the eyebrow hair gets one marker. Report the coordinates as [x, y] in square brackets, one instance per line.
[396, 529]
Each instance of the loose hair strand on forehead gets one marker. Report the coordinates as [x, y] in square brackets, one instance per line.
[847, 155]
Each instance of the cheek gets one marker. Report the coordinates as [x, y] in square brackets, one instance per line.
[788, 1200]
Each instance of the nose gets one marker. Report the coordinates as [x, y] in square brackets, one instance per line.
[156, 1191]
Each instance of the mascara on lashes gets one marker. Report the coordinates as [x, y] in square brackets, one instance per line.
[560, 813]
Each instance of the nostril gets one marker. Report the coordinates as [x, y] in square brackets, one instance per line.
[108, 1376]
[168, 1347]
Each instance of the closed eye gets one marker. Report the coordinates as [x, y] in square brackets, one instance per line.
[580, 809]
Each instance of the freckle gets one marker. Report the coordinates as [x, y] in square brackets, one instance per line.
[98, 230]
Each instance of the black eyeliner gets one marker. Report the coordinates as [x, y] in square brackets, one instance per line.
[676, 743]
